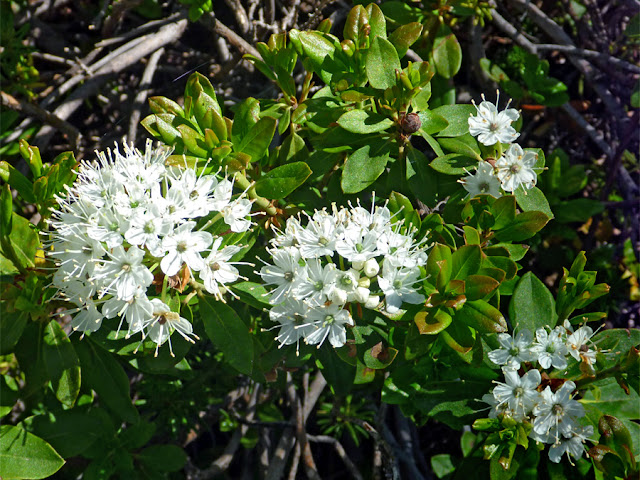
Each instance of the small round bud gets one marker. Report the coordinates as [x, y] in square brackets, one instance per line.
[364, 282]
[371, 267]
[361, 295]
[372, 302]
[338, 296]
[410, 123]
[357, 265]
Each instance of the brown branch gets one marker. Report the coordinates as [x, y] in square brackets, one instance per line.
[212, 23]
[605, 58]
[143, 92]
[353, 470]
[167, 34]
[33, 110]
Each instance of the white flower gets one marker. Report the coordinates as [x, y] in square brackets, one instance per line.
[138, 310]
[357, 244]
[572, 444]
[282, 274]
[235, 214]
[110, 227]
[516, 167]
[218, 270]
[88, 318]
[577, 342]
[124, 273]
[550, 348]
[519, 393]
[319, 237]
[222, 195]
[146, 228]
[315, 281]
[556, 412]
[184, 246]
[514, 350]
[397, 285]
[164, 322]
[76, 254]
[198, 200]
[483, 181]
[291, 315]
[328, 322]
[491, 126]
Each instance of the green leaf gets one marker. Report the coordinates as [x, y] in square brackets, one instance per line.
[524, 226]
[458, 118]
[482, 317]
[532, 305]
[381, 63]
[105, 375]
[18, 181]
[360, 121]
[504, 211]
[465, 261]
[363, 167]
[376, 21]
[442, 465]
[62, 363]
[453, 164]
[477, 287]
[609, 398]
[24, 240]
[257, 140]
[404, 36]
[246, 116]
[464, 145]
[25, 456]
[228, 333]
[253, 294]
[534, 200]
[447, 54]
[6, 210]
[165, 458]
[432, 123]
[281, 181]
[69, 432]
[379, 356]
[11, 328]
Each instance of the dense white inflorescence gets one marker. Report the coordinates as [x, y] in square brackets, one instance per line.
[129, 220]
[336, 259]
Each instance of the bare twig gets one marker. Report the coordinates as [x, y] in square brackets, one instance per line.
[212, 23]
[136, 32]
[222, 463]
[118, 10]
[143, 92]
[43, 115]
[580, 52]
[287, 441]
[166, 35]
[241, 15]
[353, 470]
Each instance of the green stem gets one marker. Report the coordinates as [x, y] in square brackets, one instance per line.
[250, 188]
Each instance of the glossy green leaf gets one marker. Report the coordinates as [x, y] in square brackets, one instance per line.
[377, 21]
[464, 145]
[532, 305]
[478, 287]
[11, 328]
[482, 316]
[62, 363]
[432, 123]
[228, 333]
[281, 181]
[465, 261]
[578, 210]
[246, 116]
[379, 356]
[26, 456]
[524, 226]
[458, 118]
[454, 164]
[360, 121]
[404, 36]
[447, 54]
[6, 210]
[104, 374]
[381, 63]
[504, 211]
[257, 140]
[432, 321]
[533, 200]
[363, 167]
[18, 181]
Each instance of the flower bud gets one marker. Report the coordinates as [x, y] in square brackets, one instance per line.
[371, 267]
[372, 302]
[364, 282]
[361, 295]
[338, 296]
[357, 265]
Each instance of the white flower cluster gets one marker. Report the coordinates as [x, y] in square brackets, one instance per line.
[125, 216]
[554, 416]
[514, 168]
[340, 258]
